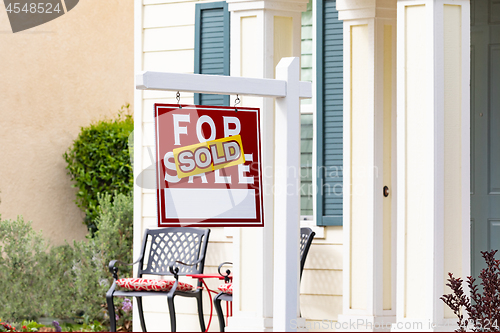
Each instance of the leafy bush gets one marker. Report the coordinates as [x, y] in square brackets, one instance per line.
[482, 307]
[64, 281]
[113, 240]
[30, 326]
[99, 162]
[22, 259]
[115, 235]
[33, 326]
[59, 285]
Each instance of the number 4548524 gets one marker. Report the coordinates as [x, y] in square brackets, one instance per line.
[33, 8]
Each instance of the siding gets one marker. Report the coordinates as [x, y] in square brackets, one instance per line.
[321, 285]
[306, 46]
[306, 131]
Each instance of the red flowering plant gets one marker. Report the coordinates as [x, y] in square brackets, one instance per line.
[5, 327]
[482, 306]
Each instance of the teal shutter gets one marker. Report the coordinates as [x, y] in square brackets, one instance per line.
[329, 114]
[211, 50]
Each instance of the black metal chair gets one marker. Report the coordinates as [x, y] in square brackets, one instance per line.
[306, 238]
[172, 252]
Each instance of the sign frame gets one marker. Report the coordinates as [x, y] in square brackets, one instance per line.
[162, 185]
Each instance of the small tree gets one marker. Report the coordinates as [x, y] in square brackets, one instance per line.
[483, 308]
[99, 162]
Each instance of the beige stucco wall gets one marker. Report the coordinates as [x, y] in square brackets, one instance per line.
[55, 78]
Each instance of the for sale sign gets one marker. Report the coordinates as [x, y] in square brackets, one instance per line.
[209, 166]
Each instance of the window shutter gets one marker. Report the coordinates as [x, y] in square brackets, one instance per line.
[329, 114]
[211, 51]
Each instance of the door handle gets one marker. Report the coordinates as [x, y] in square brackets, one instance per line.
[386, 191]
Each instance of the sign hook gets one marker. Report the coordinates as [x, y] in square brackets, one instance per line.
[236, 102]
[178, 97]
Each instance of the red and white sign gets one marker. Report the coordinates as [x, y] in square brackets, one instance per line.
[227, 193]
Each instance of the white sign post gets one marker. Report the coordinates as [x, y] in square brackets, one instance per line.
[287, 199]
[288, 90]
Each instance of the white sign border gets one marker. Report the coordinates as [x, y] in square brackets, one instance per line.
[158, 159]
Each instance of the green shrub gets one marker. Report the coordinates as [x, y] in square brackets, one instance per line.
[113, 240]
[29, 326]
[22, 258]
[99, 162]
[59, 288]
[64, 281]
[115, 234]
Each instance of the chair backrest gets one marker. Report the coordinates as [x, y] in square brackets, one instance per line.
[306, 238]
[163, 246]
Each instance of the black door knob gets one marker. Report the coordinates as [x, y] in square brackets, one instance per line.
[386, 191]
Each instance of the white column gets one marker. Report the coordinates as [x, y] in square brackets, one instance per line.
[262, 32]
[139, 149]
[433, 157]
[287, 200]
[369, 163]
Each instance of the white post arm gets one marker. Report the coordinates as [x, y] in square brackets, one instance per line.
[217, 84]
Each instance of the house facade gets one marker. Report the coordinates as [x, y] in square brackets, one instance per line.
[397, 150]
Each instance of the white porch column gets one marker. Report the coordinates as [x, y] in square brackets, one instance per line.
[433, 157]
[369, 163]
[262, 32]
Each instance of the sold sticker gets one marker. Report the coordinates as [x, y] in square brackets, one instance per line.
[208, 156]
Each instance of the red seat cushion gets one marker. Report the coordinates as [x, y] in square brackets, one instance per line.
[137, 284]
[226, 288]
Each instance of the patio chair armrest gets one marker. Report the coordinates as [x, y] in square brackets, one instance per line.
[226, 277]
[193, 264]
[175, 270]
[114, 270]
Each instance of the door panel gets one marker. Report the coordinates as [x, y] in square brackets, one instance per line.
[494, 119]
[494, 11]
[494, 231]
[485, 130]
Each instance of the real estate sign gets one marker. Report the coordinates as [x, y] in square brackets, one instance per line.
[209, 166]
